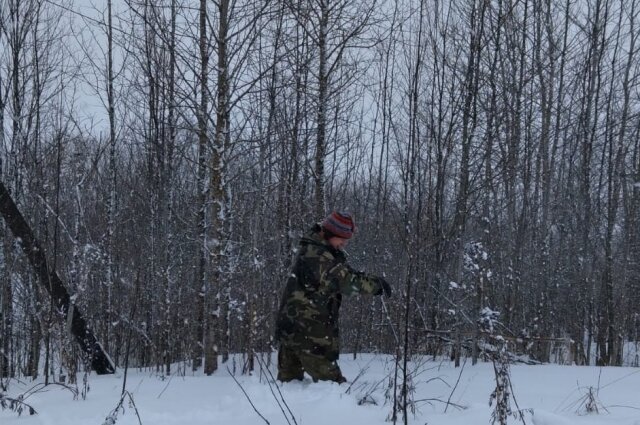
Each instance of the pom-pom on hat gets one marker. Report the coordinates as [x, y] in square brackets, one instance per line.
[339, 224]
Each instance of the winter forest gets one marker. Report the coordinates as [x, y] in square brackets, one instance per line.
[168, 154]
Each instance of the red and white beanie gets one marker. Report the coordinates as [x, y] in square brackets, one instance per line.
[340, 224]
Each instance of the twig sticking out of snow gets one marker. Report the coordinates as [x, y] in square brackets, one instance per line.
[455, 386]
[113, 416]
[16, 404]
[247, 397]
[503, 393]
[271, 381]
[19, 405]
[589, 403]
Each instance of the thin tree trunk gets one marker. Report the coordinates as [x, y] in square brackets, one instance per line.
[323, 82]
[218, 187]
[111, 209]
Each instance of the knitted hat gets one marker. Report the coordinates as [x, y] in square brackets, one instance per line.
[340, 224]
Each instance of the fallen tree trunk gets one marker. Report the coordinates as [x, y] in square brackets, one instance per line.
[100, 360]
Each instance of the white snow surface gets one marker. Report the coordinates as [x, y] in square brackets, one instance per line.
[549, 394]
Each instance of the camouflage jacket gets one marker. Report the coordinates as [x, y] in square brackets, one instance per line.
[310, 304]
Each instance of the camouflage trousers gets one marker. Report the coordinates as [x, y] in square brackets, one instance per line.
[293, 363]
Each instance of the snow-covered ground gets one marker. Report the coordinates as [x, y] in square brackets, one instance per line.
[550, 394]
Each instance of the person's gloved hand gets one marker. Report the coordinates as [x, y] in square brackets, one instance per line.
[384, 287]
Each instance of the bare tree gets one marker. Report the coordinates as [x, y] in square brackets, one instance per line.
[205, 322]
[333, 28]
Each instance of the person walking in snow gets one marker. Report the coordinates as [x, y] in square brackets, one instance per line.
[307, 322]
